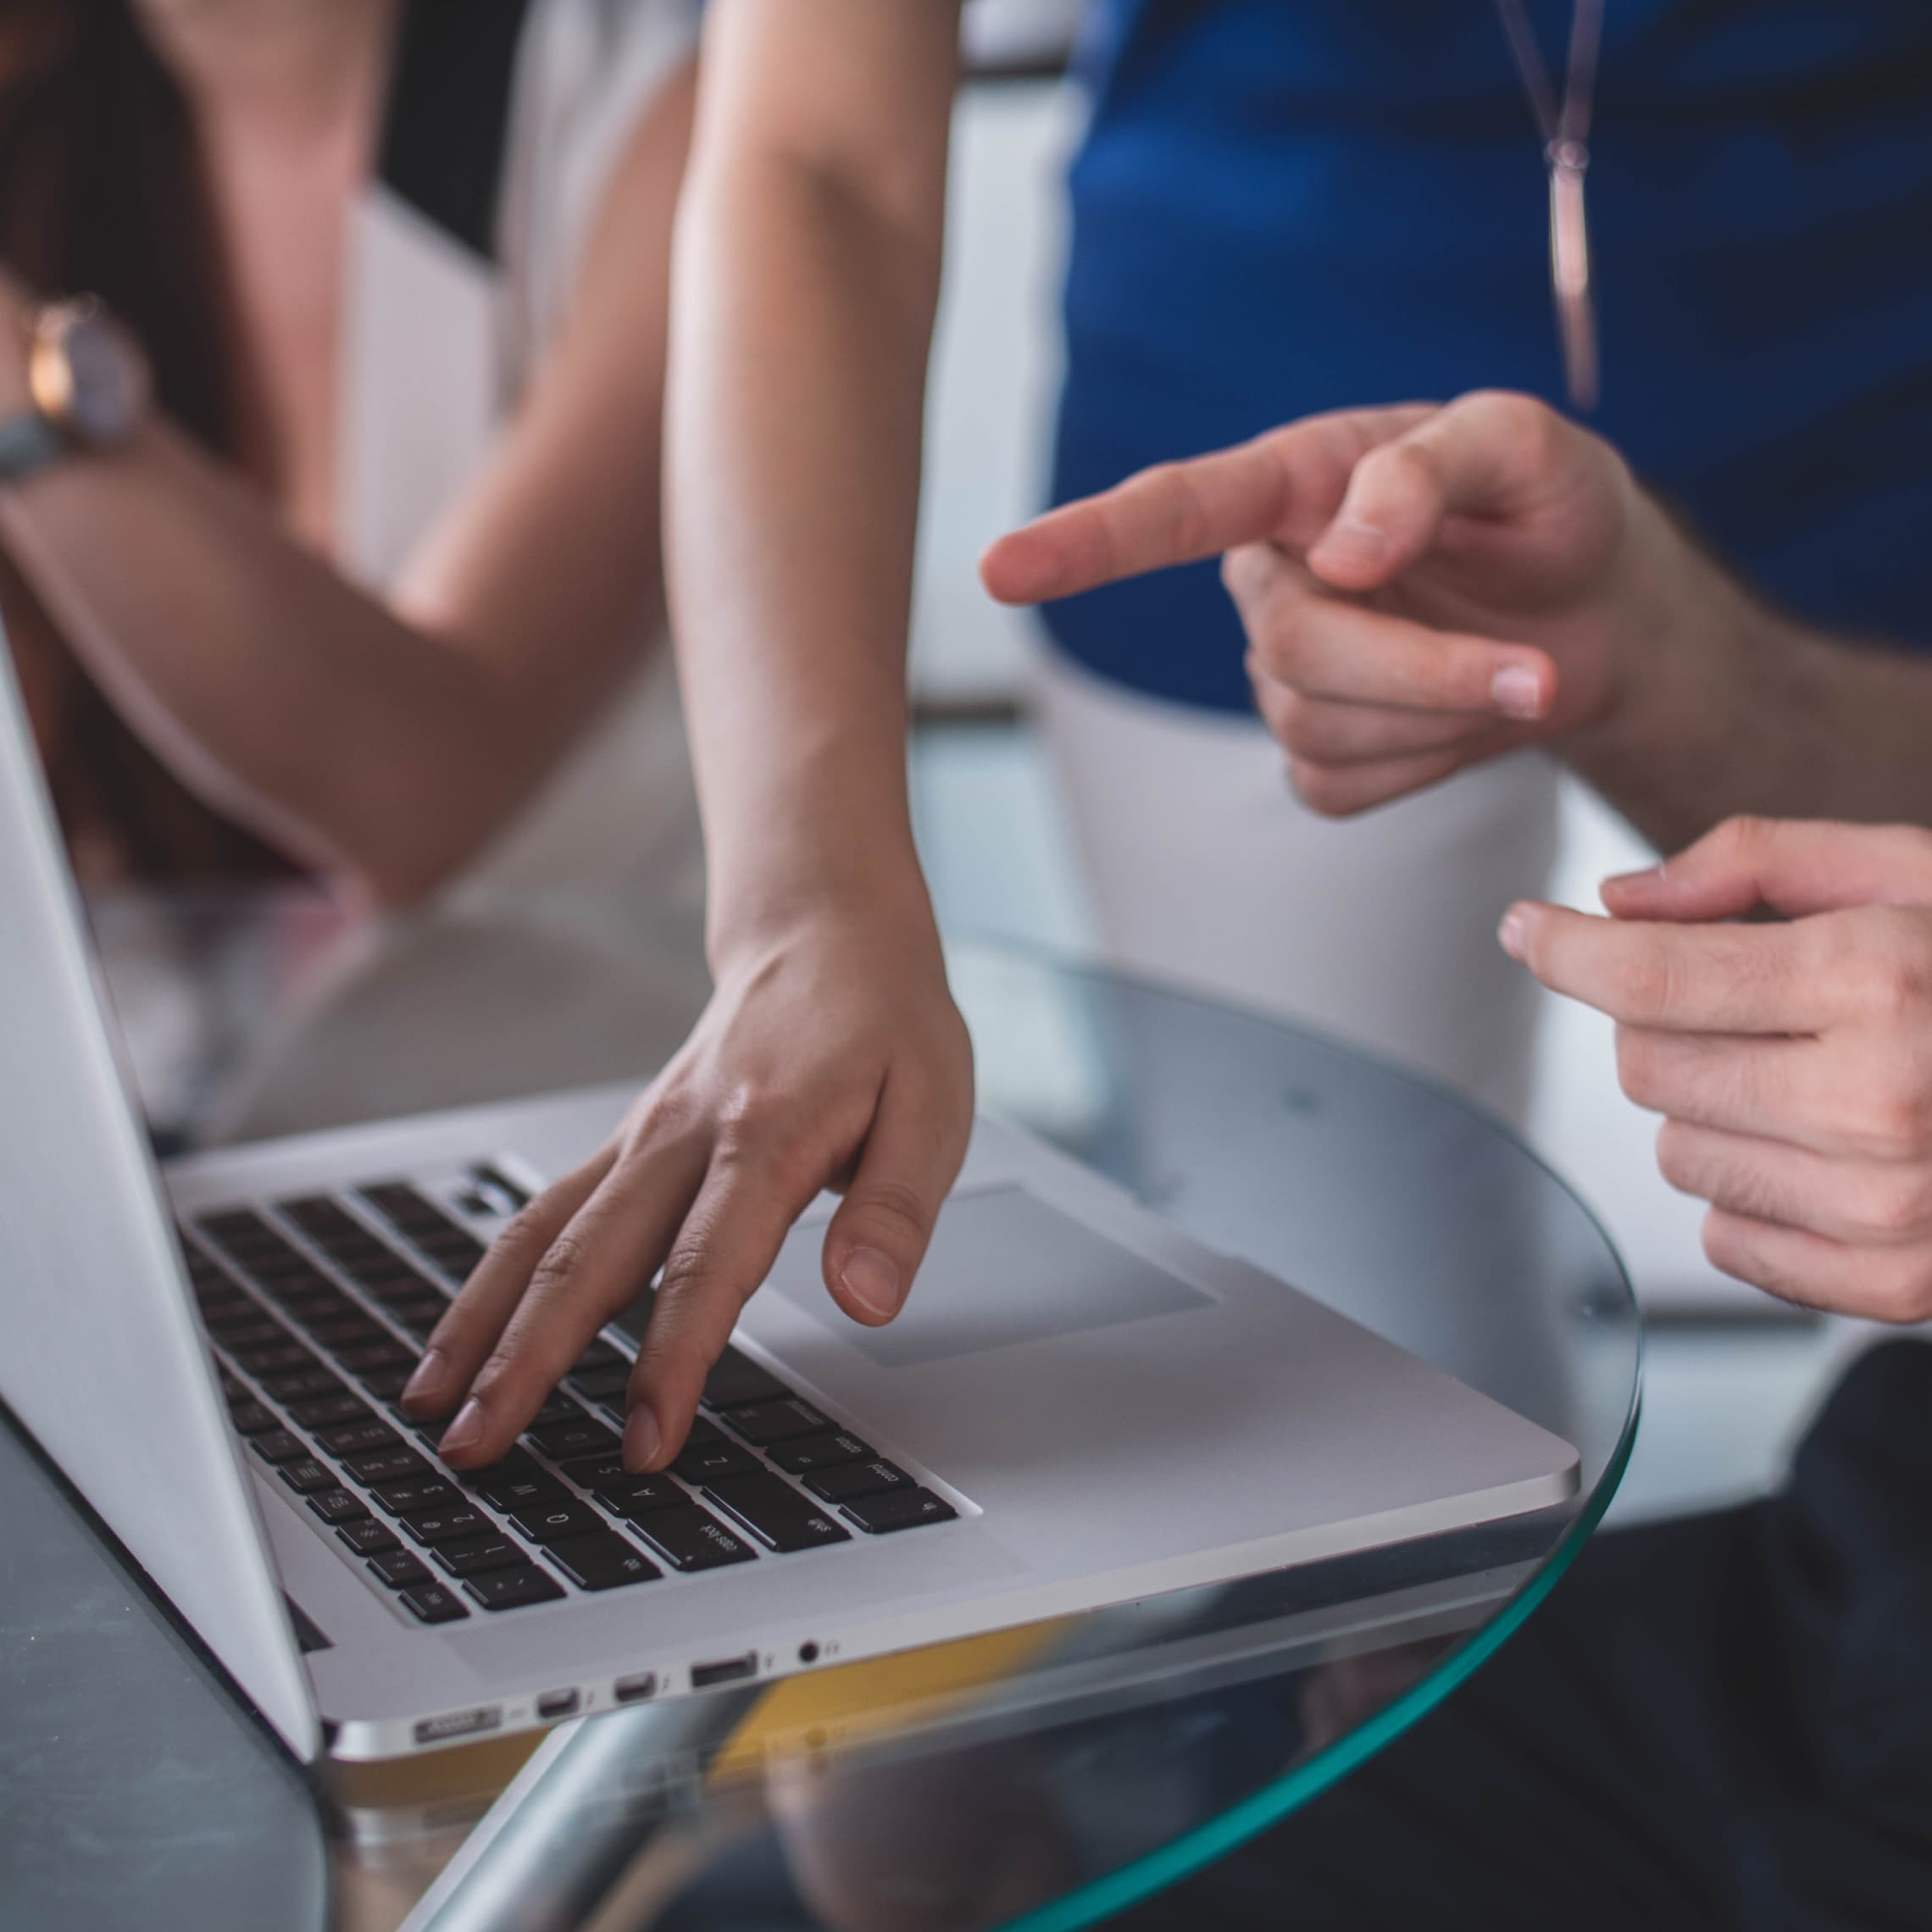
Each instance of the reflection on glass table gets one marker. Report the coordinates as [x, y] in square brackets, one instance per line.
[1044, 1775]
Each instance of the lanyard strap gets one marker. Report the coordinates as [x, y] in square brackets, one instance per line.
[1566, 124]
[1565, 128]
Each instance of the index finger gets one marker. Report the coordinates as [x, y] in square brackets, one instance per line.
[726, 1247]
[1677, 979]
[1283, 486]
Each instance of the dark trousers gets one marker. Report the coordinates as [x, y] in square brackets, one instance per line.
[1720, 1723]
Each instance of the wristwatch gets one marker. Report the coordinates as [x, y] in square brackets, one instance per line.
[89, 383]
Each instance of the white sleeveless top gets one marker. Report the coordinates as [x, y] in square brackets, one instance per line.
[505, 119]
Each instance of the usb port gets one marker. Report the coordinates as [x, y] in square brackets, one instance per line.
[636, 1690]
[730, 1671]
[556, 1703]
[458, 1724]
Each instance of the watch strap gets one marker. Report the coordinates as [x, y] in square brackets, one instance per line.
[28, 443]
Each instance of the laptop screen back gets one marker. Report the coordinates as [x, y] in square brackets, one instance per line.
[102, 1357]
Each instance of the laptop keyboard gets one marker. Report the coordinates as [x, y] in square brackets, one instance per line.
[318, 1308]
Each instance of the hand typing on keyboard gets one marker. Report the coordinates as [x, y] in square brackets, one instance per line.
[837, 1059]
[313, 1309]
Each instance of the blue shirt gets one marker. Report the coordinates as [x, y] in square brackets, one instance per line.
[1285, 206]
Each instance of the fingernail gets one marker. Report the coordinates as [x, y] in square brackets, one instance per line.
[426, 1383]
[467, 1429]
[872, 1279]
[1513, 933]
[1349, 541]
[1649, 875]
[1517, 691]
[642, 1439]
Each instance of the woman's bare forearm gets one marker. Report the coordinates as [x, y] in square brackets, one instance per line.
[386, 738]
[804, 303]
[289, 700]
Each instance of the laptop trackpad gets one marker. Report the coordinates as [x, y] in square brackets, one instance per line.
[1003, 1267]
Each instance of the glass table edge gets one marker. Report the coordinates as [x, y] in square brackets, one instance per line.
[1160, 1869]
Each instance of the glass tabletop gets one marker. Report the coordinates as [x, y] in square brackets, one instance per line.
[1043, 1776]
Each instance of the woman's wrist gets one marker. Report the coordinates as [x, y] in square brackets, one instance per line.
[872, 883]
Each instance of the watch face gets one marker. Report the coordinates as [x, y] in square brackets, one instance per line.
[108, 388]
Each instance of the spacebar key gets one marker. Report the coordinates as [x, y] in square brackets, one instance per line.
[776, 1513]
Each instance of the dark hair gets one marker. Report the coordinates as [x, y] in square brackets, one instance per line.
[101, 189]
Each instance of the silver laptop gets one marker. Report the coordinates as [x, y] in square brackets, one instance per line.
[1078, 1405]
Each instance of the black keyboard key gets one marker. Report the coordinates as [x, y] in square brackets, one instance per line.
[776, 1514]
[602, 1561]
[359, 1254]
[242, 1231]
[600, 1355]
[563, 1441]
[320, 1217]
[457, 1253]
[231, 1220]
[377, 1355]
[398, 1570]
[898, 1509]
[316, 1308]
[269, 1260]
[522, 1489]
[411, 1212]
[337, 1505]
[370, 1538]
[558, 1408]
[456, 1524]
[417, 1316]
[305, 1296]
[737, 1381]
[386, 1466]
[273, 1358]
[245, 1326]
[591, 1472]
[805, 1453]
[345, 1328]
[512, 1589]
[638, 1495]
[330, 1411]
[307, 1477]
[417, 1493]
[251, 1418]
[766, 1423]
[396, 1200]
[277, 1445]
[352, 1438]
[602, 1384]
[849, 1479]
[603, 1472]
[476, 1554]
[298, 1383]
[403, 1280]
[555, 1522]
[711, 1462]
[386, 1385]
[690, 1539]
[431, 1603]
